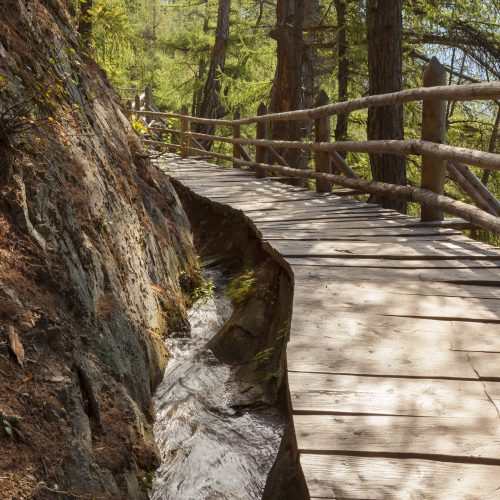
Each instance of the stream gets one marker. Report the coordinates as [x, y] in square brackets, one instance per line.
[209, 450]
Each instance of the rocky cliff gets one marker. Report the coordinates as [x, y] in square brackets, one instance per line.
[93, 241]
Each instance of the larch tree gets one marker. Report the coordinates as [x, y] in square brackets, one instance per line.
[385, 64]
[211, 104]
[343, 68]
[287, 86]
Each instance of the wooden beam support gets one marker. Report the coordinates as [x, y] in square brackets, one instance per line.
[148, 97]
[185, 125]
[277, 157]
[465, 186]
[342, 165]
[236, 135]
[433, 130]
[477, 185]
[243, 153]
[322, 160]
[260, 151]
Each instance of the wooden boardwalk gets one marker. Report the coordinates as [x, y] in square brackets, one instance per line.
[394, 355]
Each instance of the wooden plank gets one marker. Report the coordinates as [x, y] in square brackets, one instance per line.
[361, 285]
[326, 393]
[330, 249]
[380, 239]
[464, 336]
[361, 344]
[489, 277]
[262, 193]
[381, 262]
[333, 300]
[313, 206]
[291, 235]
[375, 478]
[329, 225]
[347, 232]
[316, 356]
[436, 436]
[386, 331]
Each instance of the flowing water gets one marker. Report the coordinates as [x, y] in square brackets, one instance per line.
[209, 449]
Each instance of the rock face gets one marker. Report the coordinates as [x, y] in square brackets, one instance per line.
[92, 243]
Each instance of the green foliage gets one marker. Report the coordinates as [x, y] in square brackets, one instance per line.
[204, 292]
[241, 285]
[264, 355]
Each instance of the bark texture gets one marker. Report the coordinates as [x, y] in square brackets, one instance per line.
[384, 41]
[343, 69]
[287, 88]
[211, 105]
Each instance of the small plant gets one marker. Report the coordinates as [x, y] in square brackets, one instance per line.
[138, 126]
[204, 292]
[9, 428]
[241, 285]
[263, 355]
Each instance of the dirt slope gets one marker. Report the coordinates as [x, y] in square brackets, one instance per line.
[92, 243]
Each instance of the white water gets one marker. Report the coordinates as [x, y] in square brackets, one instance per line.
[208, 450]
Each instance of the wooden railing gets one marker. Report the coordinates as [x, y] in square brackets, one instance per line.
[437, 157]
[143, 99]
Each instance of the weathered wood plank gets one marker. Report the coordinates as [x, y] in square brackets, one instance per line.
[353, 233]
[334, 300]
[396, 263]
[374, 478]
[338, 287]
[330, 249]
[394, 346]
[326, 393]
[436, 436]
[490, 277]
[394, 330]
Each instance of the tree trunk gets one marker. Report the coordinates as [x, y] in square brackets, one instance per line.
[84, 22]
[343, 69]
[211, 105]
[311, 18]
[385, 61]
[287, 87]
[309, 63]
[493, 144]
[202, 66]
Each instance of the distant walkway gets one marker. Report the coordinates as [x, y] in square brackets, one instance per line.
[394, 352]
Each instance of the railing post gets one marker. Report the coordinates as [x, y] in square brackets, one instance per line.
[137, 102]
[434, 130]
[322, 160]
[236, 135]
[261, 151]
[148, 99]
[184, 132]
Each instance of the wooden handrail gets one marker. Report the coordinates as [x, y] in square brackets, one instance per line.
[417, 147]
[471, 92]
[434, 151]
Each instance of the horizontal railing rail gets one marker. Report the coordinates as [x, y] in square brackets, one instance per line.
[487, 91]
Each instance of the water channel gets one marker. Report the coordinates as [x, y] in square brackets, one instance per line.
[210, 448]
